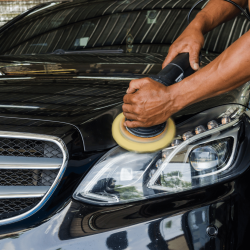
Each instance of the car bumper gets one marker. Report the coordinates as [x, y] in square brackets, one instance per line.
[81, 226]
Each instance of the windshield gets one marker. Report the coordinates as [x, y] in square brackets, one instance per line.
[128, 26]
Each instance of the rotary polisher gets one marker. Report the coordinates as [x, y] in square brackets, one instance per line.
[157, 137]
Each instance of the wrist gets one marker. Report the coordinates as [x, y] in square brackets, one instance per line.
[175, 96]
[201, 23]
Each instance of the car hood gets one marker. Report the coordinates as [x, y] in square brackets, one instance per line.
[85, 90]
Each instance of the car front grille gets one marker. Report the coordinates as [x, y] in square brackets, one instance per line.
[28, 148]
[29, 168]
[13, 207]
[31, 177]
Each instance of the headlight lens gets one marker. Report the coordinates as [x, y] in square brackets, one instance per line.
[118, 176]
[211, 155]
[202, 159]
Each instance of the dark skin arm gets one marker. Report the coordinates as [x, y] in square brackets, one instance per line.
[192, 39]
[149, 103]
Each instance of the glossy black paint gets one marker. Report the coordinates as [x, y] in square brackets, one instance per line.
[194, 211]
[97, 219]
[89, 104]
[72, 226]
[53, 88]
[80, 111]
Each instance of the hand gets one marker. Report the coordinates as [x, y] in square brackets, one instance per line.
[192, 41]
[148, 103]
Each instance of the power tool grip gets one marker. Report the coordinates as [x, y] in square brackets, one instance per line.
[175, 71]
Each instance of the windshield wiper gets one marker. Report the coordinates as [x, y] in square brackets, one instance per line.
[91, 51]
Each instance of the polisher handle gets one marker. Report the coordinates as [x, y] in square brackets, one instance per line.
[175, 71]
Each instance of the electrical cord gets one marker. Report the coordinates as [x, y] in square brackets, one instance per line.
[232, 2]
[239, 7]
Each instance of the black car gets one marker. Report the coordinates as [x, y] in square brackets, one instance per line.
[64, 182]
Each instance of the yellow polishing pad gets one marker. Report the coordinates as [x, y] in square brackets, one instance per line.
[138, 144]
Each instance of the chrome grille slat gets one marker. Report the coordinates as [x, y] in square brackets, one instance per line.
[23, 192]
[9, 162]
[31, 167]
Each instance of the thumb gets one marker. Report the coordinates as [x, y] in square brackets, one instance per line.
[134, 85]
[194, 60]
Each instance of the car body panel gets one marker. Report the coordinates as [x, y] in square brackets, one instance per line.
[184, 230]
[174, 220]
[29, 91]
[76, 96]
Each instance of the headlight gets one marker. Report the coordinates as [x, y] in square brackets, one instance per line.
[204, 156]
[211, 155]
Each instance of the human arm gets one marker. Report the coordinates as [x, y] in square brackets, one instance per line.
[228, 71]
[192, 38]
[154, 103]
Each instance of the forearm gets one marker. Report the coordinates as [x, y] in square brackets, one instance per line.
[226, 72]
[215, 13]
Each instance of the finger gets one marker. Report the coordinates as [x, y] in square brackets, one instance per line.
[134, 85]
[194, 59]
[133, 109]
[130, 116]
[127, 108]
[129, 99]
[133, 124]
[170, 57]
